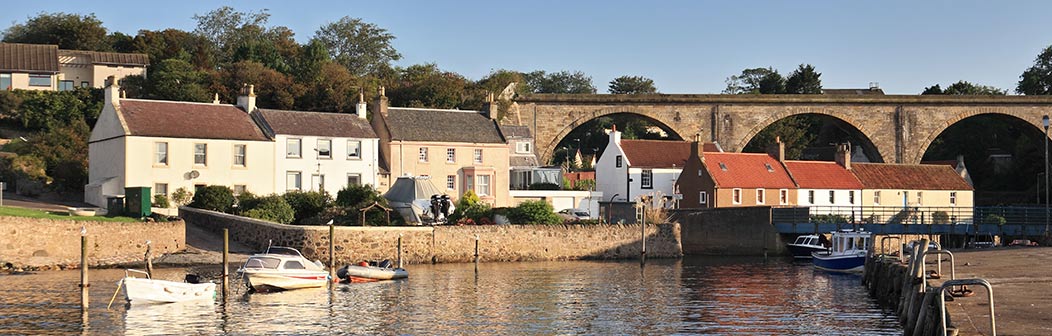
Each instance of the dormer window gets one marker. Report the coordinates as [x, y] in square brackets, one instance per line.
[769, 168]
[723, 167]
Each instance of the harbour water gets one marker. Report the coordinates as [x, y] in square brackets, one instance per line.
[728, 296]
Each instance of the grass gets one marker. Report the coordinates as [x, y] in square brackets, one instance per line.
[59, 215]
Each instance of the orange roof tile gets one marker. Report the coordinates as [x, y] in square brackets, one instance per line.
[903, 176]
[660, 153]
[822, 175]
[746, 170]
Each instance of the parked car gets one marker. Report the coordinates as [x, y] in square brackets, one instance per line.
[574, 214]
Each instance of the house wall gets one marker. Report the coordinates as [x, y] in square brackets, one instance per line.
[724, 197]
[20, 81]
[405, 161]
[664, 181]
[106, 171]
[77, 69]
[100, 72]
[335, 169]
[931, 201]
[257, 174]
[610, 179]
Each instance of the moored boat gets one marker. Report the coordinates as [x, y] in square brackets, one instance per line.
[804, 245]
[369, 272]
[147, 290]
[848, 252]
[282, 268]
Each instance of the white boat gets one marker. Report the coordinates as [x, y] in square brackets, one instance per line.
[282, 268]
[369, 272]
[147, 290]
[804, 245]
[848, 253]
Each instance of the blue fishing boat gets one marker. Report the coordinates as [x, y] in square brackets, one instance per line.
[848, 253]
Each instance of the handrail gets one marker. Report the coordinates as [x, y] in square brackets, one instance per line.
[126, 275]
[940, 252]
[884, 248]
[962, 282]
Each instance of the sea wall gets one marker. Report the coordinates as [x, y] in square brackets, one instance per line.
[902, 287]
[51, 243]
[729, 231]
[422, 244]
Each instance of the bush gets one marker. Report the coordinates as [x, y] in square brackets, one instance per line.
[352, 199]
[359, 196]
[469, 209]
[534, 212]
[584, 185]
[994, 219]
[544, 186]
[827, 218]
[940, 217]
[306, 204]
[214, 197]
[161, 201]
[272, 208]
[182, 197]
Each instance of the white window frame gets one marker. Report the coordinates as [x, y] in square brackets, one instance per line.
[37, 76]
[703, 197]
[522, 147]
[832, 197]
[783, 196]
[761, 196]
[160, 156]
[451, 155]
[298, 146]
[736, 196]
[851, 197]
[478, 155]
[357, 177]
[203, 154]
[317, 182]
[811, 197]
[297, 184]
[646, 179]
[422, 156]
[158, 186]
[953, 198]
[876, 197]
[240, 154]
[354, 149]
[482, 184]
[324, 148]
[451, 182]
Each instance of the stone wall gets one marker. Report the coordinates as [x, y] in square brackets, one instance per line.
[422, 244]
[35, 243]
[730, 231]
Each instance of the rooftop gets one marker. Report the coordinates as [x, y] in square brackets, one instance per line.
[747, 170]
[342, 125]
[158, 118]
[412, 124]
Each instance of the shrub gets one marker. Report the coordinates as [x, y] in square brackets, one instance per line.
[544, 186]
[306, 204]
[994, 219]
[161, 201]
[272, 208]
[469, 209]
[584, 185]
[534, 212]
[182, 197]
[352, 199]
[214, 197]
[940, 217]
[359, 196]
[827, 218]
[247, 201]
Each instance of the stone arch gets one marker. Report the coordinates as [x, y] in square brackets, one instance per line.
[548, 149]
[924, 144]
[865, 132]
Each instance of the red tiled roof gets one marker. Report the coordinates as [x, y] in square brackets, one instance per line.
[345, 125]
[660, 153]
[188, 120]
[902, 176]
[822, 175]
[951, 163]
[747, 170]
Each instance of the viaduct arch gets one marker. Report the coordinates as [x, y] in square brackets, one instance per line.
[900, 127]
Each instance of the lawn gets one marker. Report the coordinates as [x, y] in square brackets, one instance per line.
[32, 213]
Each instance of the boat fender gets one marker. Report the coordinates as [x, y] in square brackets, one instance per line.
[364, 264]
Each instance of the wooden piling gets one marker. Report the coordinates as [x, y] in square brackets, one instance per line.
[399, 250]
[332, 249]
[226, 259]
[84, 269]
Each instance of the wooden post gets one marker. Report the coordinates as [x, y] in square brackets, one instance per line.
[643, 234]
[84, 269]
[476, 254]
[332, 249]
[399, 250]
[226, 256]
[148, 258]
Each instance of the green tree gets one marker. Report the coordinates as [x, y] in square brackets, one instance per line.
[274, 89]
[932, 90]
[362, 47]
[560, 82]
[804, 80]
[64, 150]
[753, 81]
[176, 79]
[425, 85]
[1037, 80]
[797, 132]
[498, 80]
[632, 85]
[272, 208]
[213, 197]
[174, 43]
[307, 204]
[68, 31]
[966, 88]
[534, 212]
[227, 29]
[772, 83]
[334, 90]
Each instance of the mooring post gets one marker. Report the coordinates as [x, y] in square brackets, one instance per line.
[148, 258]
[399, 250]
[226, 256]
[643, 235]
[476, 250]
[332, 250]
[84, 268]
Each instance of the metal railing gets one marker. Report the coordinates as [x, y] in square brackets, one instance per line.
[1010, 220]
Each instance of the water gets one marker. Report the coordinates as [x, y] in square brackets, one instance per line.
[729, 296]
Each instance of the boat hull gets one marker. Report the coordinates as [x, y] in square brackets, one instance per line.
[853, 263]
[268, 280]
[354, 273]
[801, 251]
[142, 290]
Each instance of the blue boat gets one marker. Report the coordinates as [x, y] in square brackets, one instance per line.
[848, 253]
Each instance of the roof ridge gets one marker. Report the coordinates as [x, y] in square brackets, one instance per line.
[431, 109]
[178, 102]
[315, 112]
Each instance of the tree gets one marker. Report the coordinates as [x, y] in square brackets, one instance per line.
[68, 31]
[64, 150]
[796, 132]
[425, 85]
[1037, 80]
[362, 47]
[804, 80]
[560, 82]
[772, 83]
[176, 79]
[632, 85]
[498, 80]
[334, 90]
[932, 90]
[275, 90]
[966, 88]
[751, 80]
[214, 197]
[174, 43]
[228, 29]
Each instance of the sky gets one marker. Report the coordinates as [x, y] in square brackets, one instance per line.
[684, 46]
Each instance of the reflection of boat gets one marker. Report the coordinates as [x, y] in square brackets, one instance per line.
[804, 245]
[180, 318]
[848, 253]
[282, 268]
[369, 272]
[147, 290]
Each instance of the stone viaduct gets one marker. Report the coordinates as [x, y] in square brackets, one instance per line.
[899, 128]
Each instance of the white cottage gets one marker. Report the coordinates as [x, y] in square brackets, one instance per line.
[630, 168]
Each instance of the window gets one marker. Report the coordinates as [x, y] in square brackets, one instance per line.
[451, 155]
[850, 197]
[239, 155]
[451, 182]
[324, 148]
[354, 179]
[760, 196]
[703, 198]
[5, 81]
[160, 189]
[832, 197]
[736, 196]
[783, 196]
[423, 154]
[239, 189]
[953, 198]
[810, 197]
[40, 80]
[317, 182]
[66, 85]
[470, 180]
[354, 150]
[160, 153]
[294, 264]
[646, 179]
[522, 147]
[84, 84]
[919, 199]
[482, 185]
[201, 154]
[292, 148]
[293, 180]
[876, 198]
[699, 172]
[617, 161]
[478, 156]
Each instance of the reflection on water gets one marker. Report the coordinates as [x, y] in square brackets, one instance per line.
[689, 296]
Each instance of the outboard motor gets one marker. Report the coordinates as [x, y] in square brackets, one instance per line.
[445, 205]
[192, 279]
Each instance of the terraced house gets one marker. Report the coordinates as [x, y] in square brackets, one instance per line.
[46, 67]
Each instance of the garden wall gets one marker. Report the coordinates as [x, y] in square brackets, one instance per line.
[43, 243]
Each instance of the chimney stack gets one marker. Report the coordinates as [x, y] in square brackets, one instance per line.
[246, 100]
[361, 108]
[216, 99]
[491, 107]
[615, 136]
[777, 149]
[697, 148]
[112, 91]
[843, 155]
[381, 103]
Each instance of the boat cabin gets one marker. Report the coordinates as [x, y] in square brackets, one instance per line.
[848, 242]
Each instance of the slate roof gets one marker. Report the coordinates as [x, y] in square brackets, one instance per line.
[411, 124]
[188, 120]
[747, 170]
[660, 153]
[342, 125]
[515, 132]
[822, 175]
[33, 58]
[110, 58]
[903, 176]
[523, 161]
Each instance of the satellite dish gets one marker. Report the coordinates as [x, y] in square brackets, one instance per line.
[194, 174]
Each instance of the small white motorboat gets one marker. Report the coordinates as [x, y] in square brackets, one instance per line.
[371, 271]
[147, 290]
[804, 245]
[848, 253]
[282, 268]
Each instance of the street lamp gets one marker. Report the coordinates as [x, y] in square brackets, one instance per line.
[1044, 121]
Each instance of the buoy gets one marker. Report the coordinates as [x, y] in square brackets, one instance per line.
[364, 264]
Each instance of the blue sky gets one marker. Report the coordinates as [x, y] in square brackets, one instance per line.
[684, 46]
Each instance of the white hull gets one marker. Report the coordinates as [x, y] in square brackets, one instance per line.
[285, 280]
[141, 290]
[366, 273]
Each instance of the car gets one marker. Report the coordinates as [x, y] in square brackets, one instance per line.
[575, 214]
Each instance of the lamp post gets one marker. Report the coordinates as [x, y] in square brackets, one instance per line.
[1044, 121]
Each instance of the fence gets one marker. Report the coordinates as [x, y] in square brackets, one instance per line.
[920, 220]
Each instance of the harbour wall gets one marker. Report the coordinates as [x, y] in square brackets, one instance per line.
[729, 231]
[902, 287]
[37, 243]
[425, 244]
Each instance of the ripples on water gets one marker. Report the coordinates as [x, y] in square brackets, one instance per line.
[730, 296]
